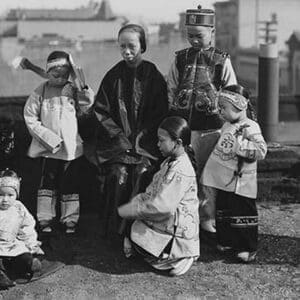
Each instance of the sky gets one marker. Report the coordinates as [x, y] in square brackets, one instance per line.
[151, 10]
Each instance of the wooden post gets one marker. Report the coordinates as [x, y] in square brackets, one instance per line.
[268, 91]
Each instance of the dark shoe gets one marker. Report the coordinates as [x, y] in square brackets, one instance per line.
[208, 238]
[5, 282]
[222, 248]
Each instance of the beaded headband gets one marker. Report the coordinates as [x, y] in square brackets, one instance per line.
[8, 181]
[237, 100]
[59, 62]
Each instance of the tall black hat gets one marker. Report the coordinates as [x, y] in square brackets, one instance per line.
[200, 17]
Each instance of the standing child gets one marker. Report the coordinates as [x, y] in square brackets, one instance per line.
[18, 238]
[195, 76]
[166, 230]
[231, 168]
[51, 116]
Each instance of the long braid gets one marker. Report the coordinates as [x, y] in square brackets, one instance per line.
[191, 154]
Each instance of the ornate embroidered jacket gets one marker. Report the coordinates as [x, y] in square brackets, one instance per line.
[232, 164]
[168, 211]
[193, 81]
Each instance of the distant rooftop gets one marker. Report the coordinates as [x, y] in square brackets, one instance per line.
[94, 10]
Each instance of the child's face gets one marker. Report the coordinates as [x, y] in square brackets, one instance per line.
[228, 111]
[8, 196]
[165, 143]
[58, 76]
[199, 37]
[130, 47]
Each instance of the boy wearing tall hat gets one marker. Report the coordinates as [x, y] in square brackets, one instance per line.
[195, 77]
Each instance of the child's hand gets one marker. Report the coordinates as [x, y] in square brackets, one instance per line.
[241, 131]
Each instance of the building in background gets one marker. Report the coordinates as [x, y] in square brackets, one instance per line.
[242, 25]
[95, 22]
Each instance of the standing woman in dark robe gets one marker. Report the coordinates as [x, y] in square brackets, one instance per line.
[130, 104]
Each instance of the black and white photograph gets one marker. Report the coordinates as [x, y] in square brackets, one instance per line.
[149, 149]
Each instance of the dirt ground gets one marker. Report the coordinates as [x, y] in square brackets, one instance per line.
[95, 268]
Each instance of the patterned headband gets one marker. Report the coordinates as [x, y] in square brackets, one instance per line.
[8, 181]
[59, 62]
[237, 100]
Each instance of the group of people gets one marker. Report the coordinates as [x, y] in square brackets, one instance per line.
[175, 154]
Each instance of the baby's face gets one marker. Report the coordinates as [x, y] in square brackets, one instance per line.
[58, 76]
[8, 196]
[199, 37]
[228, 111]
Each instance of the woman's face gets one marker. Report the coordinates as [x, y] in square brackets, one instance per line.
[165, 143]
[130, 47]
[58, 76]
[8, 196]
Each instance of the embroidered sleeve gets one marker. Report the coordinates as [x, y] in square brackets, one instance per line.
[45, 136]
[103, 111]
[172, 83]
[165, 202]
[251, 144]
[228, 74]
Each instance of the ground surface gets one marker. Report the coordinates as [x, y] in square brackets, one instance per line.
[95, 268]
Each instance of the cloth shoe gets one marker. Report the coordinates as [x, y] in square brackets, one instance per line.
[70, 227]
[127, 247]
[182, 266]
[208, 226]
[45, 226]
[223, 248]
[246, 256]
[36, 265]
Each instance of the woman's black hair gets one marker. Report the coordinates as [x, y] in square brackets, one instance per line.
[178, 128]
[138, 29]
[236, 88]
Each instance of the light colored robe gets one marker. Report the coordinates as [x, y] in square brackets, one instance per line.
[52, 122]
[219, 171]
[168, 210]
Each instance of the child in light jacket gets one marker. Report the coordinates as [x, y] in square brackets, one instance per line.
[166, 227]
[50, 114]
[232, 170]
[18, 238]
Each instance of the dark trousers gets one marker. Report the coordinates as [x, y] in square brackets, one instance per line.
[20, 265]
[60, 180]
[236, 221]
[122, 182]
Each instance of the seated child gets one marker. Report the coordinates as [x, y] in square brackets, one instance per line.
[231, 169]
[18, 238]
[166, 227]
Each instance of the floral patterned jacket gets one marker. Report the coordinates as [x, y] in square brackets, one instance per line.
[167, 211]
[232, 166]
